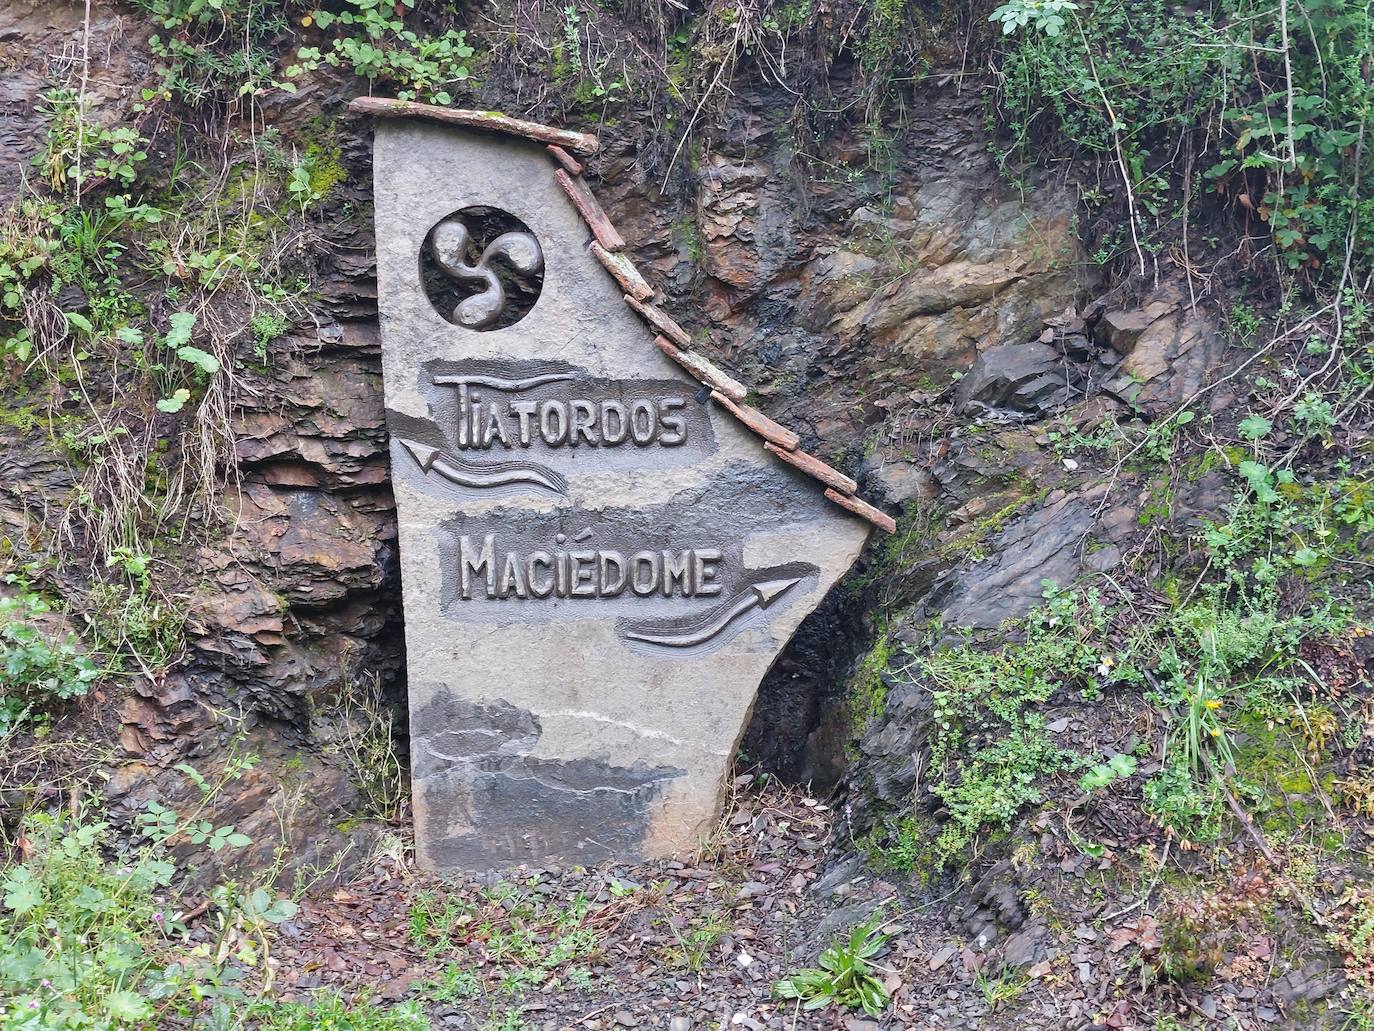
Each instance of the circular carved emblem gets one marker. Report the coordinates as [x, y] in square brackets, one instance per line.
[482, 268]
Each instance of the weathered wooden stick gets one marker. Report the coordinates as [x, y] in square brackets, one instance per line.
[758, 422]
[590, 209]
[565, 159]
[859, 507]
[661, 321]
[624, 271]
[703, 370]
[815, 468]
[385, 107]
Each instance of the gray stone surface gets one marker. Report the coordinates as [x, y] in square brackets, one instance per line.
[1029, 377]
[559, 713]
[1172, 350]
[1050, 543]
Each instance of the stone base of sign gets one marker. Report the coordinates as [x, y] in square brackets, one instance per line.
[599, 561]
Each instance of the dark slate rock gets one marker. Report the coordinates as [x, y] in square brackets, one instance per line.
[1028, 377]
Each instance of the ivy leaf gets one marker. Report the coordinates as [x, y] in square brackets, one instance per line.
[202, 360]
[180, 333]
[1253, 427]
[127, 1006]
[21, 891]
[172, 405]
[79, 321]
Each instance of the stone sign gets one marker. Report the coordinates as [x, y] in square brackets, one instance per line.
[603, 548]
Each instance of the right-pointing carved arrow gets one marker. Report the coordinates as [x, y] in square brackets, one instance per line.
[431, 459]
[755, 596]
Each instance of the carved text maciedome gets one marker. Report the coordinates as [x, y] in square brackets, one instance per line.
[585, 573]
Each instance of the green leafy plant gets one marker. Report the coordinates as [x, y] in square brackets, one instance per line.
[76, 149]
[40, 669]
[376, 45]
[329, 1012]
[846, 976]
[1313, 415]
[528, 940]
[127, 617]
[1275, 105]
[76, 934]
[197, 360]
[362, 720]
[1005, 987]
[454, 984]
[989, 747]
[215, 49]
[1118, 767]
[1182, 803]
[693, 943]
[1253, 427]
[88, 938]
[436, 923]
[1044, 15]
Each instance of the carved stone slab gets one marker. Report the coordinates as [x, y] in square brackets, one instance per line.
[599, 562]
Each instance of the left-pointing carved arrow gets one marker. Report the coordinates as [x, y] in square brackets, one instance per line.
[755, 596]
[433, 461]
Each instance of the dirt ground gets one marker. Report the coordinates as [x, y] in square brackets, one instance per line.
[1026, 945]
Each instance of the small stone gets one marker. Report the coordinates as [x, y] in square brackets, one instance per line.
[624, 1018]
[680, 1024]
[839, 875]
[942, 957]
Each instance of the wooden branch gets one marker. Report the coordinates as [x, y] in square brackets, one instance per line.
[703, 370]
[591, 211]
[565, 159]
[661, 321]
[385, 107]
[860, 507]
[815, 468]
[624, 272]
[758, 422]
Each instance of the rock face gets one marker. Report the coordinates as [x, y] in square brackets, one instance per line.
[1023, 377]
[600, 562]
[848, 297]
[1170, 349]
[1049, 543]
